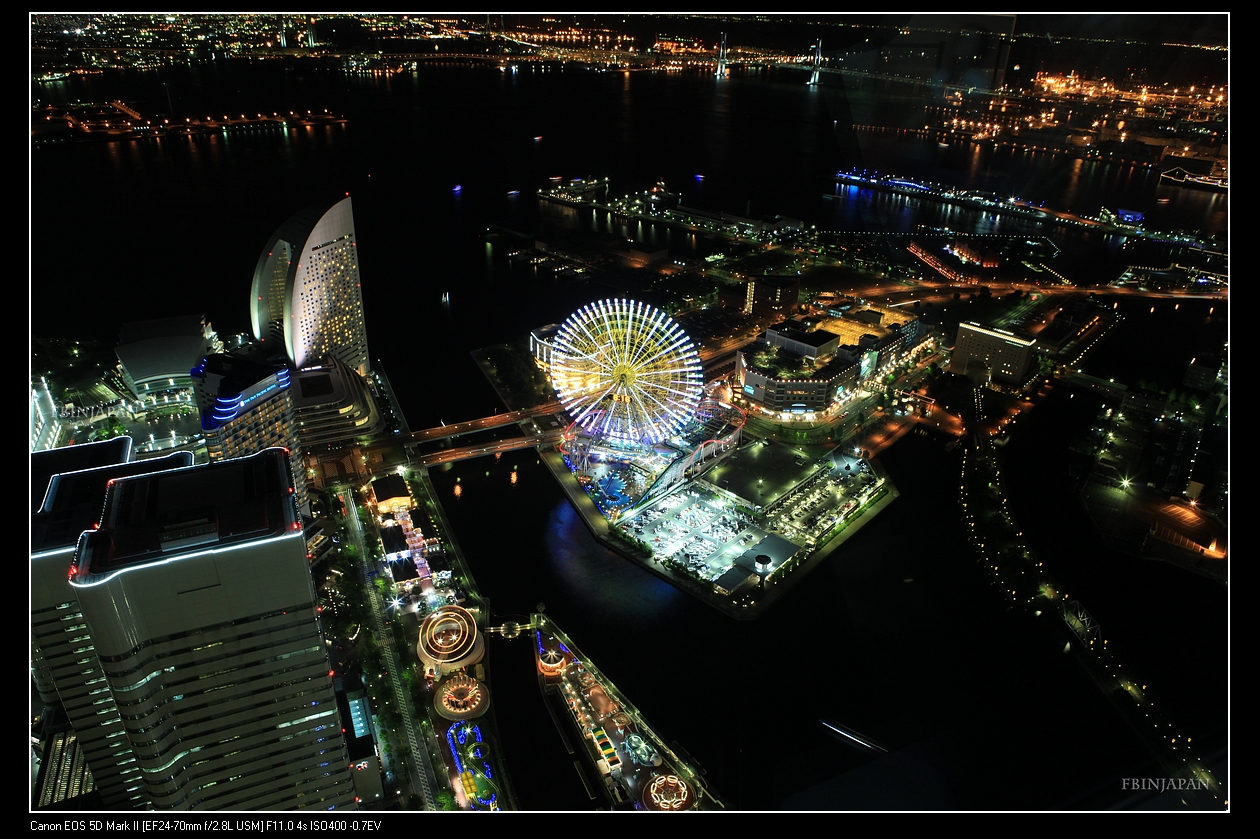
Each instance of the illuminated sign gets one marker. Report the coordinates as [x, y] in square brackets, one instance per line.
[252, 397]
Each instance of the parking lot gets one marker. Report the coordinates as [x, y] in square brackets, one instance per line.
[806, 513]
[696, 528]
[703, 529]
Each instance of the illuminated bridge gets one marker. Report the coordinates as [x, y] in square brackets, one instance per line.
[490, 448]
[455, 429]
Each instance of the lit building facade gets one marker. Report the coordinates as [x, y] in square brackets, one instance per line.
[200, 604]
[797, 373]
[777, 393]
[45, 417]
[247, 407]
[70, 484]
[1006, 356]
[333, 404]
[306, 295]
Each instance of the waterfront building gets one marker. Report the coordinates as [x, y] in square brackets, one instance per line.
[305, 296]
[1203, 373]
[784, 384]
[201, 608]
[154, 356]
[68, 487]
[390, 492]
[449, 641]
[333, 404]
[541, 341]
[247, 407]
[799, 372]
[1005, 355]
[793, 337]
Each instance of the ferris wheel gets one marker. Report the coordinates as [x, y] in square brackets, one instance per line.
[626, 372]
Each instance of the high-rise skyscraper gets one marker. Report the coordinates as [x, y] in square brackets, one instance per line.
[201, 608]
[306, 294]
[68, 491]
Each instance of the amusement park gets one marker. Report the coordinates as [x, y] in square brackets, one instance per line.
[662, 456]
[632, 383]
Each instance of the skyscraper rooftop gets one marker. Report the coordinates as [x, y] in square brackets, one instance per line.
[203, 615]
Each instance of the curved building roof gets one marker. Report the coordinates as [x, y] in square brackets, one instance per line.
[306, 288]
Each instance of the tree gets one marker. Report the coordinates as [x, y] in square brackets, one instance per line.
[445, 799]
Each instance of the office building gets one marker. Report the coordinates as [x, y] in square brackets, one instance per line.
[990, 355]
[68, 488]
[203, 615]
[247, 407]
[772, 297]
[305, 298]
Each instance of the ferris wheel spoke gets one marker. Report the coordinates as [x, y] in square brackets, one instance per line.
[610, 342]
[671, 348]
[592, 405]
[594, 351]
[662, 407]
[627, 350]
[659, 325]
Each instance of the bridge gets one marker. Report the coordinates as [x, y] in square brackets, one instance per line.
[456, 429]
[493, 447]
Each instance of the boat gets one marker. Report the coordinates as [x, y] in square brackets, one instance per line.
[1177, 175]
[1218, 183]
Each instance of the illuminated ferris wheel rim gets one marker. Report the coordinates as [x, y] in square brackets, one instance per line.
[626, 371]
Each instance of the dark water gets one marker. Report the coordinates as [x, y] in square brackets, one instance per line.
[896, 636]
[128, 230]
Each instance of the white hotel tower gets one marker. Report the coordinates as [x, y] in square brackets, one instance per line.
[306, 289]
[202, 612]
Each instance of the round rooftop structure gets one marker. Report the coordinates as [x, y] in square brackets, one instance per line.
[551, 662]
[668, 793]
[461, 697]
[449, 640]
